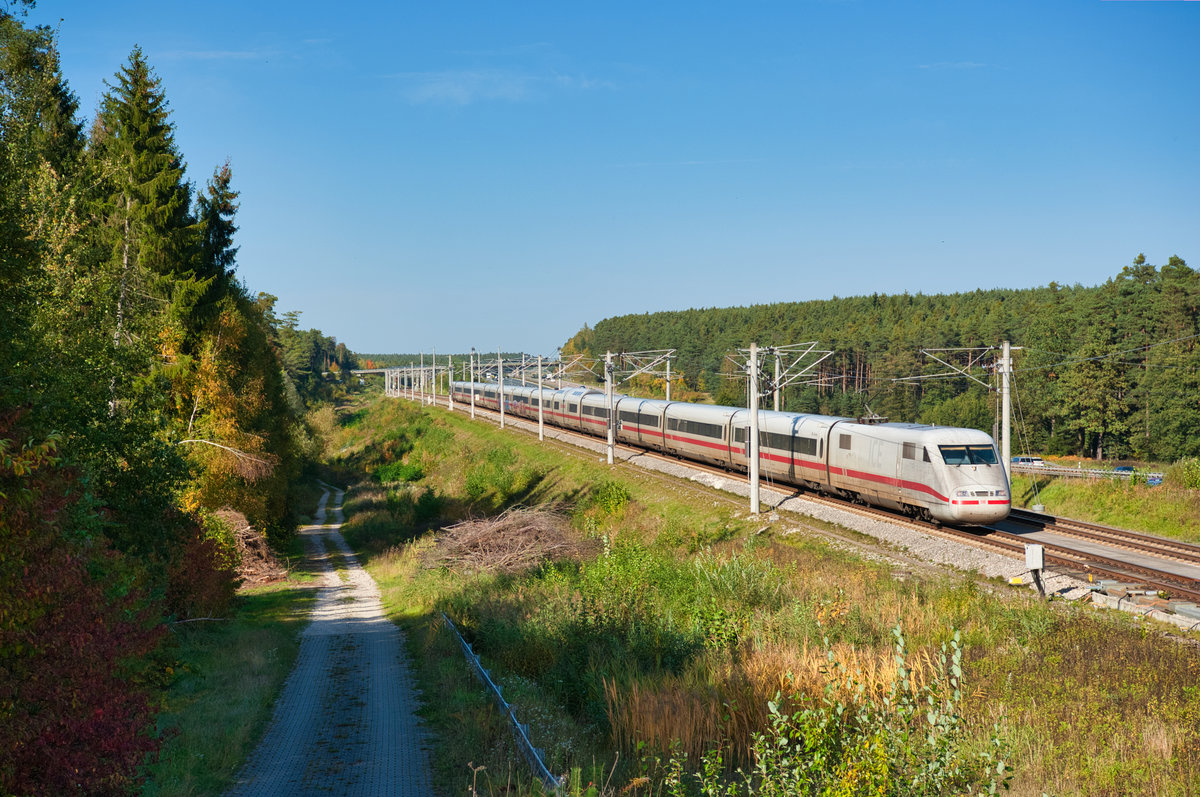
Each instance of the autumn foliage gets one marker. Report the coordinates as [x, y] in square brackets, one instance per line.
[76, 713]
[201, 577]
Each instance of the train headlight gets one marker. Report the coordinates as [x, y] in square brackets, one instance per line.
[975, 492]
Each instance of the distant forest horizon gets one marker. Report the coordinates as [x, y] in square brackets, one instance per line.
[1110, 371]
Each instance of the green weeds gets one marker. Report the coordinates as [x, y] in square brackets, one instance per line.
[226, 677]
[674, 641]
[1170, 509]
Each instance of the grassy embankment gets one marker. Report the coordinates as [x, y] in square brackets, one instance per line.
[226, 676]
[672, 625]
[1167, 510]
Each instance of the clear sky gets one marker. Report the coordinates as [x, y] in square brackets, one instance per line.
[440, 174]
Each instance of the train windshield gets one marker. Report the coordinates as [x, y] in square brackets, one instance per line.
[968, 455]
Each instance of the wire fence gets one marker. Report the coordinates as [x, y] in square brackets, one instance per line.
[520, 731]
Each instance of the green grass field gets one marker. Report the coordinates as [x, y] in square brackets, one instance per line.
[669, 627]
[1166, 510]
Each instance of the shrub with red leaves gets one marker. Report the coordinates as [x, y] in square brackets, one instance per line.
[76, 715]
[202, 578]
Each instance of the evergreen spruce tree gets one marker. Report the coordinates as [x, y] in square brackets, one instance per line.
[218, 205]
[149, 233]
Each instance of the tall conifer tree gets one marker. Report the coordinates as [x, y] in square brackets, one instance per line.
[145, 202]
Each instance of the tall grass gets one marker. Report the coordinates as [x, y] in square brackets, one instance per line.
[1169, 509]
[227, 675]
[676, 637]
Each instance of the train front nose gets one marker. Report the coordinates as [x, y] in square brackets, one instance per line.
[980, 503]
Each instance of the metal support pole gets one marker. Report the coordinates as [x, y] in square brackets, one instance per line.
[472, 383]
[522, 370]
[500, 392]
[541, 418]
[422, 377]
[752, 448]
[1006, 411]
[778, 356]
[608, 401]
[668, 379]
[450, 381]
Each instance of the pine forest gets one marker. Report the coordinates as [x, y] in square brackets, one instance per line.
[1110, 372]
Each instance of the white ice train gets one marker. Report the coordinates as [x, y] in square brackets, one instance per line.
[940, 473]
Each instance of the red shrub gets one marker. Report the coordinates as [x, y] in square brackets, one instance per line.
[202, 579]
[75, 631]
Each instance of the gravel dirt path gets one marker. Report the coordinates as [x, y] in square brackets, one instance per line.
[346, 721]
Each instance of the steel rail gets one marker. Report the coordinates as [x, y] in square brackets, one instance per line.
[1162, 547]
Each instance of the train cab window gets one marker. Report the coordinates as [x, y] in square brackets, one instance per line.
[926, 457]
[844, 442]
[968, 455]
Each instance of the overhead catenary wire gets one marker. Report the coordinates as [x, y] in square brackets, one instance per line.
[1111, 355]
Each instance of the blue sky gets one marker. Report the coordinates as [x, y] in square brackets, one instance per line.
[446, 175]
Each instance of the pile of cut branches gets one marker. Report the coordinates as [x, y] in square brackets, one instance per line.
[257, 563]
[514, 541]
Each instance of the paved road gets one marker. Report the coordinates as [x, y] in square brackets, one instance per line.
[346, 721]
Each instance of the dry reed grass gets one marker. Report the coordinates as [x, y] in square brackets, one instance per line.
[727, 704]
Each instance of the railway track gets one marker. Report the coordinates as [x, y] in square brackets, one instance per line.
[1164, 548]
[1076, 562]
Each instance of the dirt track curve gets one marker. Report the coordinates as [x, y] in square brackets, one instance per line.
[346, 721]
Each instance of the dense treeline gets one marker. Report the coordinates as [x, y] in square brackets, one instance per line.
[141, 388]
[1111, 371]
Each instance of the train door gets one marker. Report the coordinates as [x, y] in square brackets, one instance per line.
[739, 444]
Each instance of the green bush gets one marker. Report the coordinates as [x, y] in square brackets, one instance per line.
[398, 472]
[495, 474]
[1185, 473]
[427, 507]
[612, 497]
